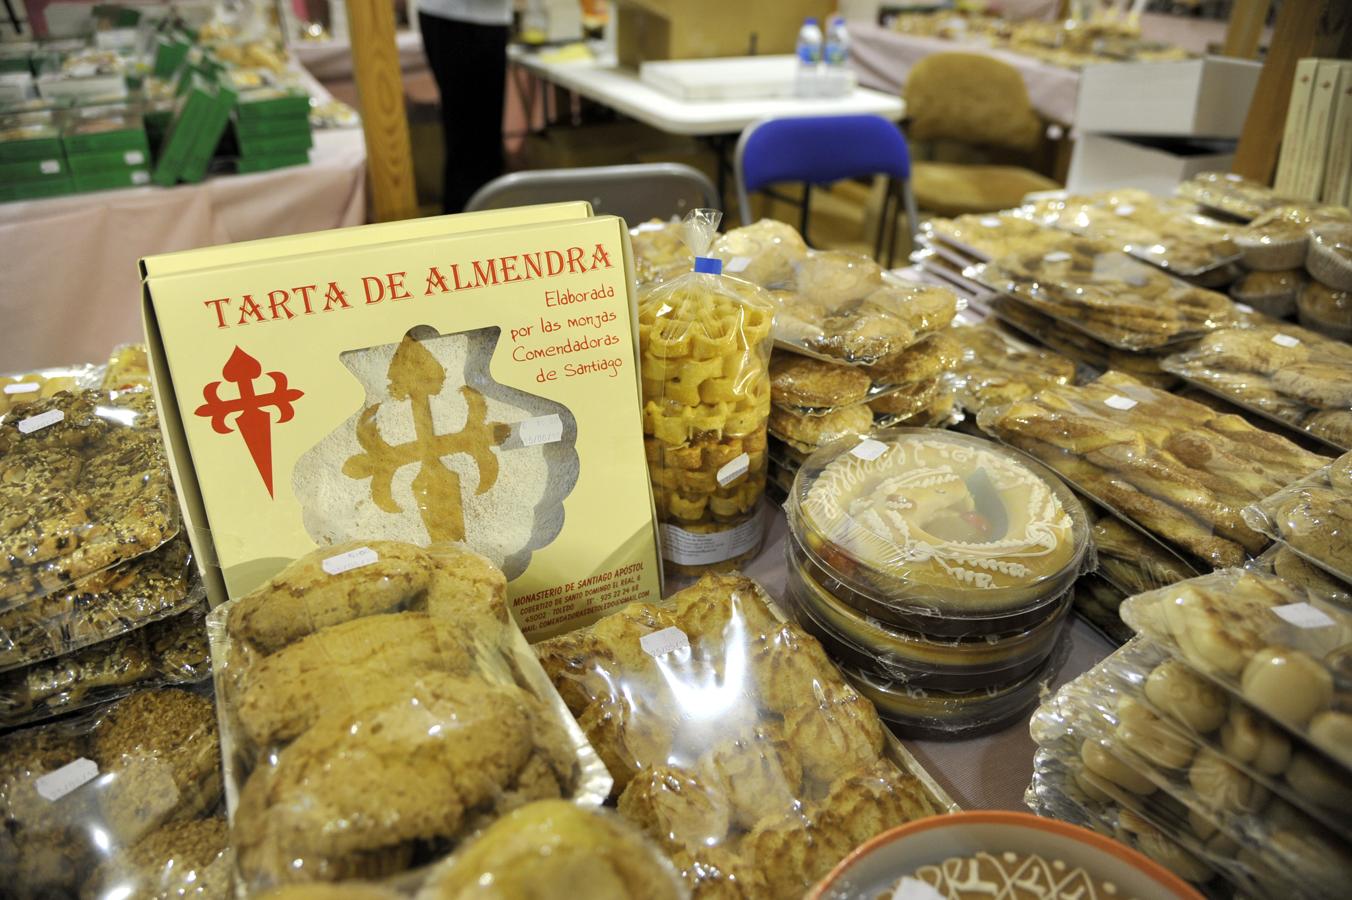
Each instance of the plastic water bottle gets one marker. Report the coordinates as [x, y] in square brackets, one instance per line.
[836, 55]
[809, 58]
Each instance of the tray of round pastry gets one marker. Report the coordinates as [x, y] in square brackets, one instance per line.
[977, 855]
[1231, 194]
[929, 714]
[1329, 255]
[1325, 310]
[904, 657]
[1280, 648]
[1279, 238]
[1279, 844]
[379, 705]
[1313, 517]
[937, 532]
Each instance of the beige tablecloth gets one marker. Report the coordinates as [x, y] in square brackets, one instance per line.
[69, 284]
[987, 772]
[332, 60]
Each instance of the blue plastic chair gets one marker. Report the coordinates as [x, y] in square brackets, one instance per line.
[824, 149]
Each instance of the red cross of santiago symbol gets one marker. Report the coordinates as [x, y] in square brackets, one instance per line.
[253, 423]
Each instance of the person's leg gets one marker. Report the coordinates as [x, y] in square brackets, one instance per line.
[474, 125]
[441, 44]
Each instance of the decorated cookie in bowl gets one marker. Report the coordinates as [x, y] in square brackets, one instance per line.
[953, 524]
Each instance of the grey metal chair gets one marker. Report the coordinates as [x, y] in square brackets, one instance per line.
[635, 192]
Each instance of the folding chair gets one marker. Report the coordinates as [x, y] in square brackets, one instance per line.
[634, 192]
[824, 149]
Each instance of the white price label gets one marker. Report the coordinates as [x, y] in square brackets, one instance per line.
[50, 166]
[1056, 256]
[649, 226]
[55, 785]
[540, 430]
[133, 157]
[660, 643]
[737, 264]
[1117, 401]
[141, 177]
[1244, 308]
[690, 548]
[914, 889]
[1285, 340]
[24, 387]
[1125, 209]
[1303, 615]
[352, 559]
[733, 470]
[40, 421]
[869, 449]
[1231, 176]
[991, 222]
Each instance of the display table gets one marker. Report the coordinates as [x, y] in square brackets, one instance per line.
[332, 60]
[987, 772]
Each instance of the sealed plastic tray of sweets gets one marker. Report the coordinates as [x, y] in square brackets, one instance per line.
[101, 606]
[1325, 310]
[659, 252]
[1089, 355]
[981, 238]
[1329, 255]
[733, 740]
[1279, 238]
[905, 658]
[1178, 469]
[172, 651]
[116, 802]
[1097, 601]
[18, 388]
[806, 433]
[928, 714]
[1313, 517]
[559, 849]
[1271, 293]
[997, 368]
[363, 686]
[1280, 648]
[1164, 232]
[1133, 560]
[1108, 295]
[939, 533]
[1172, 717]
[1280, 845]
[1277, 370]
[808, 386]
[83, 486]
[704, 345]
[1231, 194]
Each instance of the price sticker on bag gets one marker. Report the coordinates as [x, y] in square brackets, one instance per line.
[540, 430]
[1117, 401]
[352, 559]
[1303, 615]
[40, 421]
[660, 643]
[737, 264]
[1125, 209]
[1285, 340]
[869, 449]
[24, 387]
[991, 222]
[1056, 256]
[57, 784]
[50, 166]
[733, 470]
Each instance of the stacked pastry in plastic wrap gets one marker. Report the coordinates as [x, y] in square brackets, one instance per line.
[936, 569]
[1217, 741]
[733, 741]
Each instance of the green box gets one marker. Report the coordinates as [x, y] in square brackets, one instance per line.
[267, 129]
[199, 158]
[170, 52]
[32, 136]
[264, 163]
[189, 116]
[107, 181]
[272, 103]
[106, 161]
[33, 170]
[36, 190]
[299, 142]
[97, 129]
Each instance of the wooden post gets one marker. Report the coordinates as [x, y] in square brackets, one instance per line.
[380, 89]
[1304, 28]
[1245, 28]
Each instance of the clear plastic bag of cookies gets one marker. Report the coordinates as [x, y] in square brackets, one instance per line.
[1132, 559]
[119, 801]
[168, 652]
[1231, 194]
[733, 741]
[1280, 648]
[1291, 374]
[101, 607]
[574, 850]
[19, 388]
[766, 253]
[660, 253]
[985, 237]
[840, 308]
[994, 368]
[704, 344]
[1329, 254]
[379, 705]
[84, 486]
[1313, 517]
[1176, 468]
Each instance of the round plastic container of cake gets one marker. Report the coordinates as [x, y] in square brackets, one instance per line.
[939, 533]
[906, 658]
[934, 715]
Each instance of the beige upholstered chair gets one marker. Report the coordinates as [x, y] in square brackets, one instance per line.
[976, 100]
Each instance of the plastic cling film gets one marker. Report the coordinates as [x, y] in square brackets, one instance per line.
[995, 368]
[391, 687]
[1313, 517]
[704, 342]
[1230, 194]
[746, 756]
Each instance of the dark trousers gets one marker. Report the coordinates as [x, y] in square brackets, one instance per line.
[469, 63]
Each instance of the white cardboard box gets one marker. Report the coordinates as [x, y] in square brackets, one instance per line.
[1100, 162]
[1193, 98]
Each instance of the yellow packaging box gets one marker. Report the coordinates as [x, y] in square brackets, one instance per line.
[466, 378]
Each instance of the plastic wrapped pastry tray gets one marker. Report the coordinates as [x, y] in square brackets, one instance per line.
[1313, 517]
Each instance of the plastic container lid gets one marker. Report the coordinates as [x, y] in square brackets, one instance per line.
[907, 658]
[936, 532]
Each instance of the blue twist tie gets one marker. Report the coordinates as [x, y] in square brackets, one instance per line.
[709, 265]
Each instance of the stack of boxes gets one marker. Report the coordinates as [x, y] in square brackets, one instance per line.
[32, 163]
[200, 116]
[272, 129]
[106, 147]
